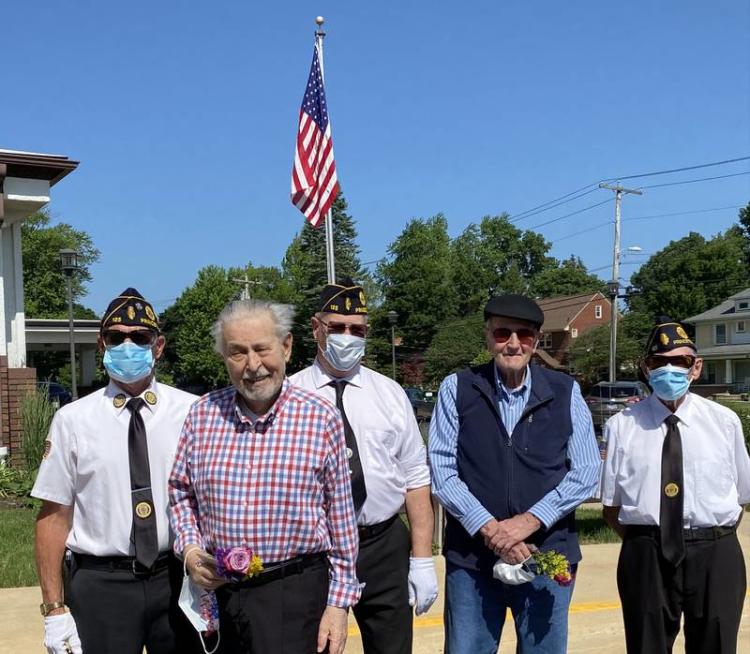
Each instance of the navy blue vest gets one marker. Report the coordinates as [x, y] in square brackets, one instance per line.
[508, 475]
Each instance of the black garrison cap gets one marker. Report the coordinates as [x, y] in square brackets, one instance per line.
[129, 308]
[667, 335]
[346, 298]
[516, 307]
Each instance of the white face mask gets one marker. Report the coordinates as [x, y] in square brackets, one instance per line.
[200, 607]
[513, 575]
[344, 351]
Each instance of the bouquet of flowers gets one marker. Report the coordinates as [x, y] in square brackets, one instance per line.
[549, 564]
[553, 565]
[237, 563]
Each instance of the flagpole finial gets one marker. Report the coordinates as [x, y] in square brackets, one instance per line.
[319, 21]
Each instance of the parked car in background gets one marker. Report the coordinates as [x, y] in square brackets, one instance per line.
[605, 399]
[57, 393]
[423, 402]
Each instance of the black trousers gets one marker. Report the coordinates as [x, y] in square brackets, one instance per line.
[117, 612]
[708, 588]
[383, 612]
[281, 616]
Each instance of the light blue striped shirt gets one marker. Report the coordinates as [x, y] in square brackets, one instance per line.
[578, 485]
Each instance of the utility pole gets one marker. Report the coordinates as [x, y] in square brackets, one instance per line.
[245, 281]
[614, 284]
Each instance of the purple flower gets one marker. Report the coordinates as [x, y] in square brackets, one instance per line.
[237, 560]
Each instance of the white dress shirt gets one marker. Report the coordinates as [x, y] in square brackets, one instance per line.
[716, 466]
[87, 465]
[390, 445]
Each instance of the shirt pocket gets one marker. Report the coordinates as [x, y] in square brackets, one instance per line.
[379, 450]
[713, 480]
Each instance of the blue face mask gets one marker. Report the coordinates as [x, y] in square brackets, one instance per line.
[669, 382]
[128, 363]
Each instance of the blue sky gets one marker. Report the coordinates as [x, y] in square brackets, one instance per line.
[183, 116]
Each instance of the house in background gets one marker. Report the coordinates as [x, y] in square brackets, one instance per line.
[566, 317]
[722, 336]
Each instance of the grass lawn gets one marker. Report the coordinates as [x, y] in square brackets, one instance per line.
[592, 529]
[17, 546]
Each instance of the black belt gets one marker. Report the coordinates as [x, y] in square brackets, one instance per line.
[112, 563]
[281, 569]
[366, 532]
[699, 533]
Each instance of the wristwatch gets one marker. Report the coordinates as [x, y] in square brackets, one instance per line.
[47, 607]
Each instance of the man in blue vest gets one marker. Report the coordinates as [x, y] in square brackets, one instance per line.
[513, 453]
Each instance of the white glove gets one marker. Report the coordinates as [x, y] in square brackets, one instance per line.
[423, 584]
[512, 574]
[61, 635]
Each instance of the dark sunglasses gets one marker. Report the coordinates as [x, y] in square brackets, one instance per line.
[141, 338]
[655, 361]
[525, 335]
[341, 328]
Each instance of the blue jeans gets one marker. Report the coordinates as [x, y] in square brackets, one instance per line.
[475, 607]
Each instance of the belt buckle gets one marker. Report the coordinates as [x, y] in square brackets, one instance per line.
[140, 570]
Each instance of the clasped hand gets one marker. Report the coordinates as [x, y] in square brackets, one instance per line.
[506, 537]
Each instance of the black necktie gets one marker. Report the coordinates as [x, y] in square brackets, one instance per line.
[145, 539]
[359, 490]
[672, 493]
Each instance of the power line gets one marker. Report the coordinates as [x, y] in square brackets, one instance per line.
[568, 215]
[693, 181]
[552, 204]
[680, 170]
[682, 213]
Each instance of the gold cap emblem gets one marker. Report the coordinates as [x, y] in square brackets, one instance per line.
[150, 312]
[119, 401]
[671, 489]
[131, 312]
[362, 298]
[664, 339]
[681, 332]
[150, 397]
[348, 303]
[143, 509]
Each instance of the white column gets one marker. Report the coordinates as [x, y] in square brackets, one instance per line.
[13, 319]
[728, 379]
[3, 283]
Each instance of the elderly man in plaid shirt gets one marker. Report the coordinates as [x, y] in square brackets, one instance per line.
[262, 465]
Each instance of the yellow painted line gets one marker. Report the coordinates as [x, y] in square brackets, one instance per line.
[437, 621]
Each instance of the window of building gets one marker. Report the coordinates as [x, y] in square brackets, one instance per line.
[740, 327]
[574, 333]
[546, 341]
[743, 305]
[598, 311]
[720, 334]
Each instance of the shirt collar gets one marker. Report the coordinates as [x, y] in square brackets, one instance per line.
[112, 392]
[244, 415]
[321, 378]
[660, 412]
[506, 392]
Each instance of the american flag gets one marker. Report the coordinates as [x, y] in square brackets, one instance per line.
[314, 181]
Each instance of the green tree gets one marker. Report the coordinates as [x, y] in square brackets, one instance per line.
[416, 281]
[455, 345]
[495, 257]
[744, 225]
[305, 274]
[691, 275]
[189, 355]
[567, 277]
[44, 285]
[589, 356]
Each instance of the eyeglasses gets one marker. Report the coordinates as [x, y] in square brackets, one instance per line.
[655, 361]
[525, 335]
[342, 327]
[114, 338]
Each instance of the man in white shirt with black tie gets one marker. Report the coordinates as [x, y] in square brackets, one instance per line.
[676, 476]
[388, 470]
[103, 486]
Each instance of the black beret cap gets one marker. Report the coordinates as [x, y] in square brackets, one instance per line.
[515, 306]
[129, 308]
[668, 335]
[346, 299]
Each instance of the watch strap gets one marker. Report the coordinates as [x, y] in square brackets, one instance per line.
[47, 607]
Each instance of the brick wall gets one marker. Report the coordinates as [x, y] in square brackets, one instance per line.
[15, 383]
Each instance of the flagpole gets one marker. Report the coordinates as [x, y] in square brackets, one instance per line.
[330, 262]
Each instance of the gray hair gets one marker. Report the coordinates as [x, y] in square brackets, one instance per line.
[281, 314]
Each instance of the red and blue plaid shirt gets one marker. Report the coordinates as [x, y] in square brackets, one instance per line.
[279, 486]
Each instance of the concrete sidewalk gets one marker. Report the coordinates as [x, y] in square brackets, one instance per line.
[595, 619]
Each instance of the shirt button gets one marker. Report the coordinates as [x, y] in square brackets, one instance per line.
[349, 453]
